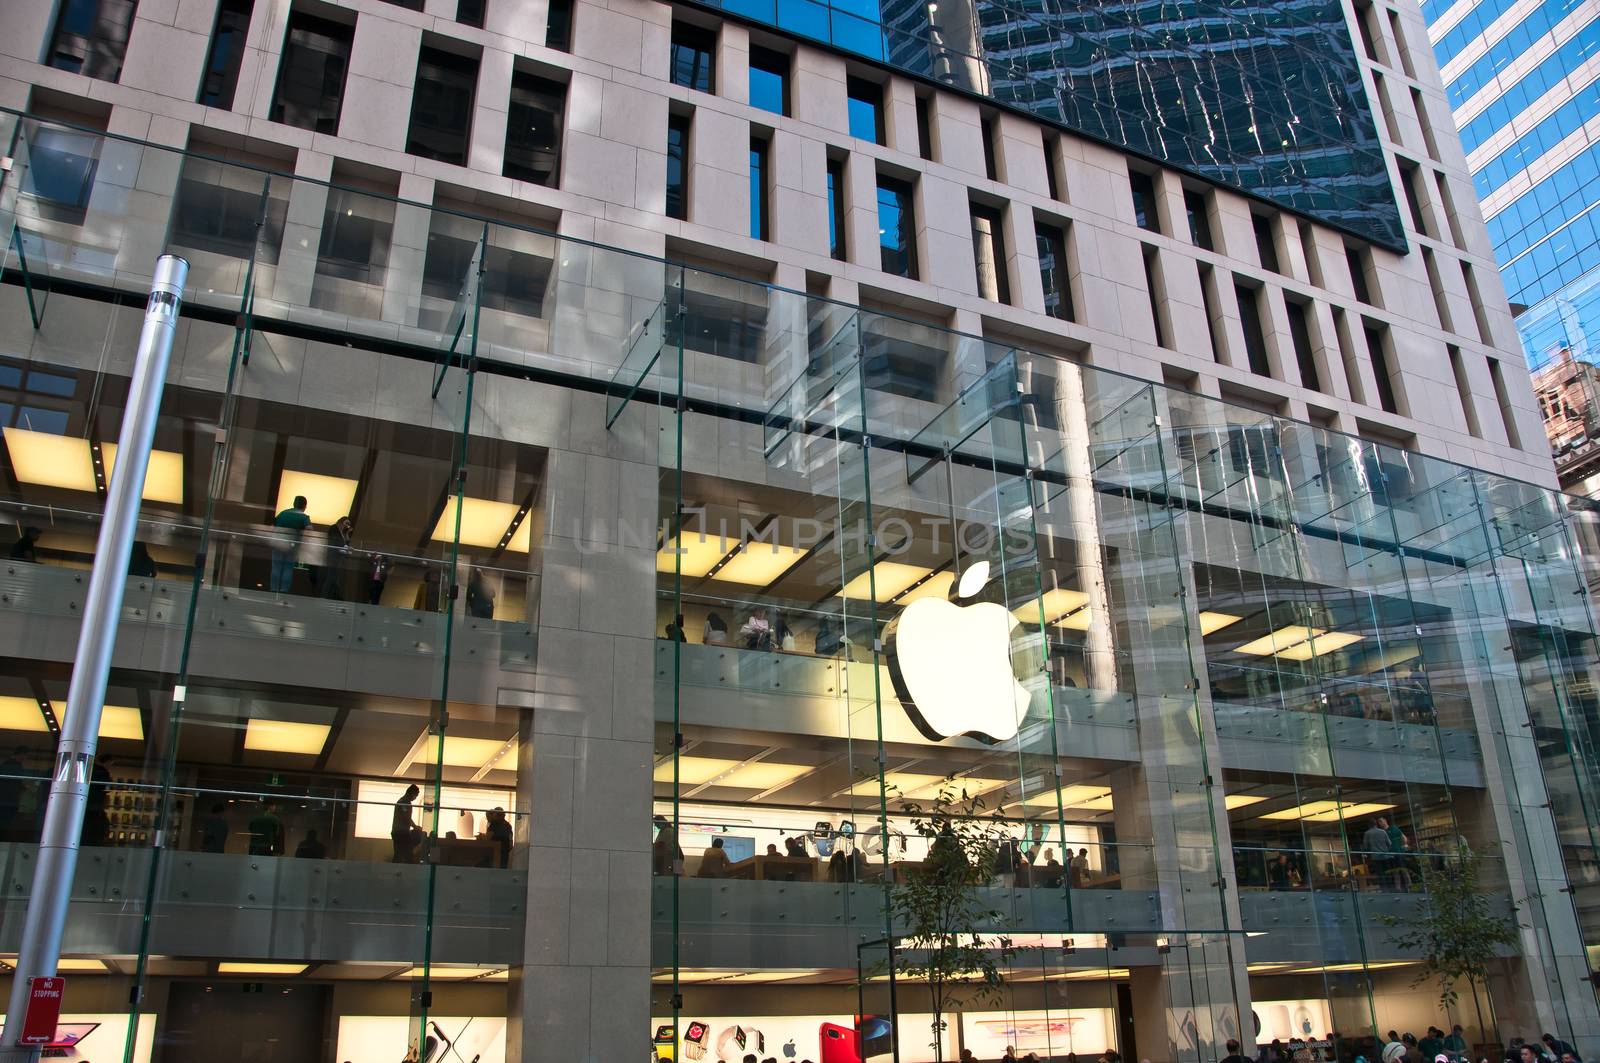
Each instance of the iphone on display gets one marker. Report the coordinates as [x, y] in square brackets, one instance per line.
[839, 1044]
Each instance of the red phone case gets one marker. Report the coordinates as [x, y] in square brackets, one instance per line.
[839, 1044]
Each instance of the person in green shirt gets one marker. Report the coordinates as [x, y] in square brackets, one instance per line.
[1455, 1042]
[286, 544]
[1432, 1044]
[266, 832]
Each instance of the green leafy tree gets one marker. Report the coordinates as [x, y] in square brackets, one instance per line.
[1458, 931]
[949, 937]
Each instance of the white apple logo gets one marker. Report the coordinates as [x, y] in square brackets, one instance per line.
[951, 665]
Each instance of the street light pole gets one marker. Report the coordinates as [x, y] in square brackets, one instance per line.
[80, 730]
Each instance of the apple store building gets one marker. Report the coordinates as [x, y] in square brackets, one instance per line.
[536, 650]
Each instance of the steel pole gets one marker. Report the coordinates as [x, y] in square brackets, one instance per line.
[80, 730]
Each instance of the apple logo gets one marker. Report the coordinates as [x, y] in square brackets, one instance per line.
[789, 1050]
[951, 665]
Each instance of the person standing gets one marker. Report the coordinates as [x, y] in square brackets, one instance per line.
[266, 832]
[26, 548]
[403, 829]
[498, 828]
[480, 599]
[214, 830]
[1375, 842]
[1233, 1055]
[290, 526]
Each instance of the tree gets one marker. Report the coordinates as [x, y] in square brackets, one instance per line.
[1457, 932]
[948, 935]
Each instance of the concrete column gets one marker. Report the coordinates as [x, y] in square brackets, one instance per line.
[408, 250]
[378, 87]
[302, 230]
[487, 149]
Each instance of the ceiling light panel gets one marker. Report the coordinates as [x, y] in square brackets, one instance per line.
[1213, 622]
[1233, 801]
[50, 460]
[262, 968]
[758, 564]
[1298, 643]
[327, 497]
[886, 580]
[935, 586]
[163, 477]
[116, 721]
[693, 555]
[1321, 642]
[21, 714]
[469, 752]
[762, 775]
[693, 771]
[286, 736]
[1054, 605]
[483, 524]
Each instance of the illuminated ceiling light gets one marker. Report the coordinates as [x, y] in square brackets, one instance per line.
[1327, 811]
[693, 771]
[762, 775]
[327, 497]
[758, 564]
[1094, 798]
[1078, 621]
[1298, 643]
[935, 586]
[1233, 801]
[1212, 622]
[66, 964]
[973, 786]
[471, 752]
[285, 736]
[886, 578]
[1091, 975]
[22, 714]
[163, 477]
[441, 973]
[1349, 811]
[262, 968]
[1260, 968]
[50, 460]
[1336, 968]
[693, 555]
[898, 784]
[483, 524]
[1054, 605]
[116, 721]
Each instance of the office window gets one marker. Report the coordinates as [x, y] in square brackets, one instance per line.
[836, 223]
[1155, 288]
[769, 80]
[1144, 201]
[62, 167]
[1378, 352]
[316, 57]
[471, 12]
[1304, 356]
[694, 57]
[1052, 153]
[1354, 257]
[441, 106]
[989, 253]
[1255, 340]
[678, 166]
[1266, 246]
[227, 51]
[991, 149]
[865, 102]
[533, 128]
[1194, 205]
[1469, 409]
[558, 25]
[91, 37]
[356, 230]
[1508, 417]
[897, 227]
[758, 188]
[218, 209]
[1051, 242]
[925, 127]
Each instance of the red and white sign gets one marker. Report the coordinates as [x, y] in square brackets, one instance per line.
[44, 1011]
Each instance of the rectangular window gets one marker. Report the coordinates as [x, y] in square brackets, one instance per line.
[1144, 201]
[758, 189]
[989, 253]
[1409, 176]
[533, 129]
[1255, 340]
[991, 149]
[441, 106]
[1304, 355]
[91, 37]
[558, 25]
[1479, 312]
[1266, 246]
[836, 245]
[226, 53]
[1155, 290]
[471, 12]
[1358, 272]
[316, 57]
[1052, 153]
[678, 166]
[769, 80]
[897, 228]
[1503, 397]
[1194, 205]
[865, 102]
[694, 57]
[1051, 241]
[219, 209]
[1378, 352]
[925, 127]
[1464, 390]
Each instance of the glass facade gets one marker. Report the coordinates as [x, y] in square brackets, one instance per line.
[1263, 98]
[591, 538]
